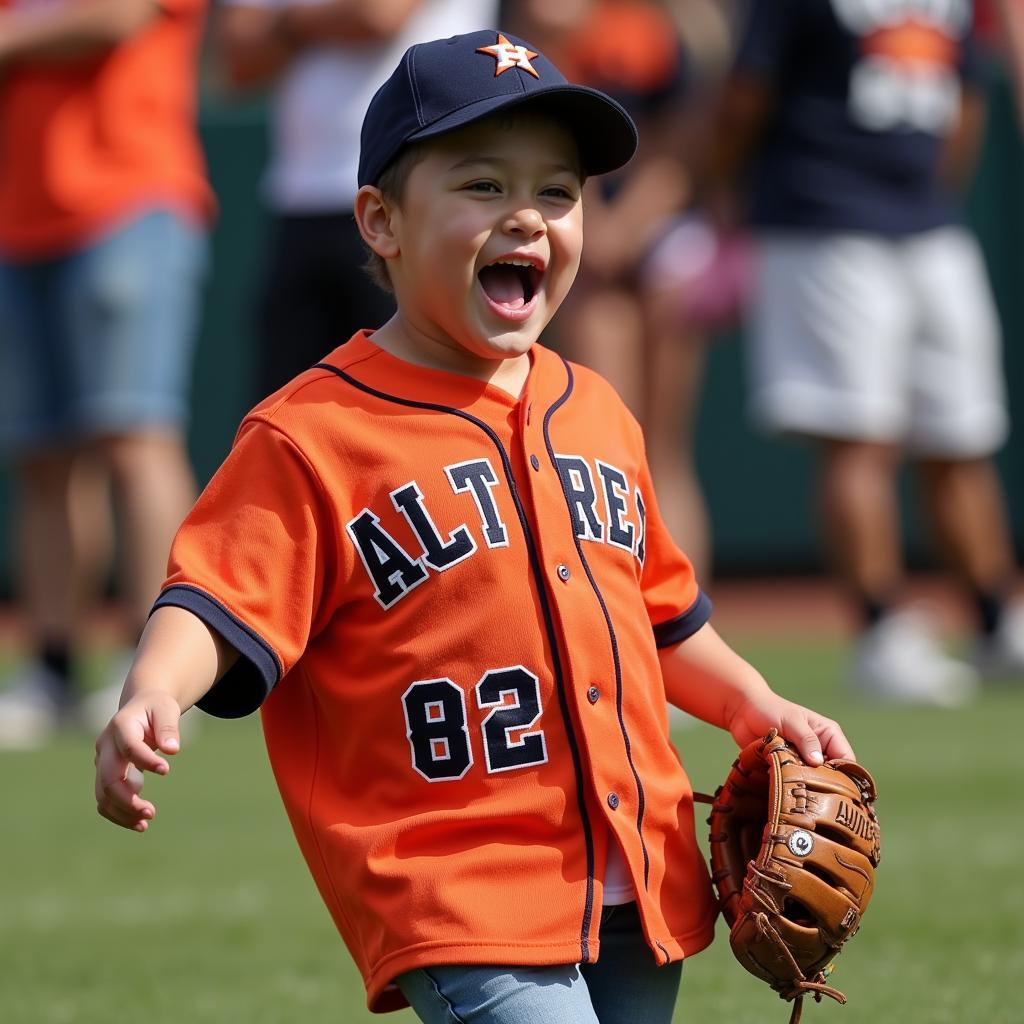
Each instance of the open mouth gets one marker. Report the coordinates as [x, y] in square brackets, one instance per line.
[511, 284]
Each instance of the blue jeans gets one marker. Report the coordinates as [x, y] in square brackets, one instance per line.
[100, 340]
[625, 986]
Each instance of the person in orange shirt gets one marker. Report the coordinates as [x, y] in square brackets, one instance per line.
[103, 212]
[435, 560]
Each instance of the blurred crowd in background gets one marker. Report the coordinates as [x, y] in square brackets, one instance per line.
[799, 190]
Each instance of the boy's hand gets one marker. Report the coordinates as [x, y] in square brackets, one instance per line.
[816, 738]
[132, 742]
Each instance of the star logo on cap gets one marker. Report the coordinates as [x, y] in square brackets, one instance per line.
[510, 55]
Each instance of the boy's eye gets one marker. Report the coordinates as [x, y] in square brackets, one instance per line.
[482, 186]
[559, 192]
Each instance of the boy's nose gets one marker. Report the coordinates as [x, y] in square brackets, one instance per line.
[525, 221]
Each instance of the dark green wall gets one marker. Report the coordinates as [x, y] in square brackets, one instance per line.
[759, 490]
[235, 141]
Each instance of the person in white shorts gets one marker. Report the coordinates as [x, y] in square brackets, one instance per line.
[873, 330]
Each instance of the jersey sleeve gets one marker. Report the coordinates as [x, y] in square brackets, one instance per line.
[250, 560]
[676, 605]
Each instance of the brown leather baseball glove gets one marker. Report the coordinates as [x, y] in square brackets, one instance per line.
[793, 855]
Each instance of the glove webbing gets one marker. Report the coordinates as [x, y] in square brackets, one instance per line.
[800, 986]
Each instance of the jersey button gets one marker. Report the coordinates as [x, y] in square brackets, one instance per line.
[593, 695]
[613, 800]
[535, 462]
[563, 573]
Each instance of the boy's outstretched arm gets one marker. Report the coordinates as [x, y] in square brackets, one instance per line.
[178, 660]
[707, 678]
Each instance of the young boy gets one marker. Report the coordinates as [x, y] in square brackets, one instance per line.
[435, 561]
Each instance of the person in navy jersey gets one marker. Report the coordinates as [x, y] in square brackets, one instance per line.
[867, 97]
[872, 327]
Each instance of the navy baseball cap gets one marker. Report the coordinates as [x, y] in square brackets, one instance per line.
[446, 84]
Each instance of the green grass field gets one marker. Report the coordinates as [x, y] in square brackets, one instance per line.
[212, 918]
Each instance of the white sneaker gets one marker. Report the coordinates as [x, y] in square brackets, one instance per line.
[900, 659]
[32, 709]
[1002, 653]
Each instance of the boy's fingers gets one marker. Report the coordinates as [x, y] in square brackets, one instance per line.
[117, 795]
[802, 734]
[834, 742]
[135, 820]
[164, 725]
[166, 731]
[131, 744]
[127, 816]
[810, 749]
[119, 764]
[820, 739]
[144, 757]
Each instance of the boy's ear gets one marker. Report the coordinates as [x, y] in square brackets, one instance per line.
[373, 213]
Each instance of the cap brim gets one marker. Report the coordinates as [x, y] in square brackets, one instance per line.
[604, 132]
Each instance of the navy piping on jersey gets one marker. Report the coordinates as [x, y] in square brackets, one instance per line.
[252, 677]
[549, 624]
[608, 623]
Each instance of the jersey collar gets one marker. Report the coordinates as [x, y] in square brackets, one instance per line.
[371, 365]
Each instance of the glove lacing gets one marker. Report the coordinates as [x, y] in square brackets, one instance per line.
[800, 985]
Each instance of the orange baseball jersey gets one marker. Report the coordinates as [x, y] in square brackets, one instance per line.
[449, 603]
[91, 142]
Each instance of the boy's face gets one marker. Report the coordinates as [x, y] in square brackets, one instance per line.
[489, 233]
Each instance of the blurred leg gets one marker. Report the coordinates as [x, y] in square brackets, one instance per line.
[860, 517]
[154, 488]
[55, 582]
[899, 656]
[46, 549]
[92, 529]
[603, 329]
[65, 542]
[674, 363]
[960, 418]
[967, 509]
